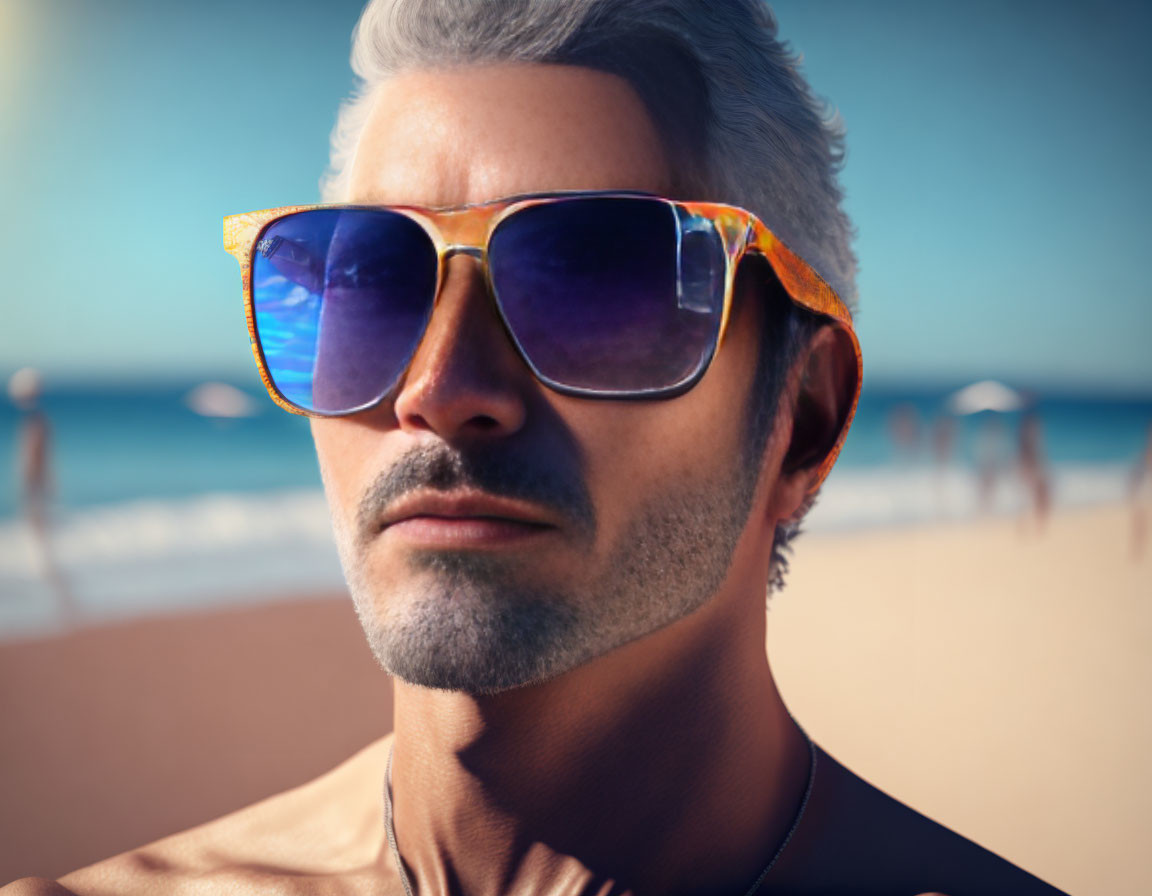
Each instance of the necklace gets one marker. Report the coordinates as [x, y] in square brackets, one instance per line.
[390, 828]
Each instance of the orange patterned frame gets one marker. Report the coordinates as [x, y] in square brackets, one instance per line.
[466, 229]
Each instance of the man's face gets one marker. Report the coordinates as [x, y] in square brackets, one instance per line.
[493, 532]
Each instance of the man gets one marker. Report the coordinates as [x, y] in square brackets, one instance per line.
[564, 439]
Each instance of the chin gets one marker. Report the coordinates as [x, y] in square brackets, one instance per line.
[463, 624]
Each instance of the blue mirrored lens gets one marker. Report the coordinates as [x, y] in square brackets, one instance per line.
[341, 299]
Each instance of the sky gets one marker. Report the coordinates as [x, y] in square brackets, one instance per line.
[996, 173]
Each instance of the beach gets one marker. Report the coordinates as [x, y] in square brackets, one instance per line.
[996, 680]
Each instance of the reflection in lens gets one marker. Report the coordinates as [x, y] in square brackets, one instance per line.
[589, 288]
[341, 299]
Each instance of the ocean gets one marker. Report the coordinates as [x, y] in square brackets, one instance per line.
[158, 509]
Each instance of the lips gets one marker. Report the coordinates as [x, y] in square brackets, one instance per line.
[465, 507]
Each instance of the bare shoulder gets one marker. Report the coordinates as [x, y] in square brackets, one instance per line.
[35, 886]
[856, 838]
[329, 827]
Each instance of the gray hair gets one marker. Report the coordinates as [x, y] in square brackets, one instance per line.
[740, 123]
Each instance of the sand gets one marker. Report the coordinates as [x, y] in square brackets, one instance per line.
[115, 736]
[996, 682]
[1000, 684]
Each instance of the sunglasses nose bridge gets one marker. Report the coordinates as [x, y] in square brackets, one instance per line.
[476, 252]
[463, 230]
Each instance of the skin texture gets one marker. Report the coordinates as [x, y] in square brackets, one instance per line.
[666, 762]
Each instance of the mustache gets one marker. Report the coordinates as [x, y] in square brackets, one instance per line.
[501, 473]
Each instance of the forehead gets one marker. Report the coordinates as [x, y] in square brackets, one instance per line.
[444, 137]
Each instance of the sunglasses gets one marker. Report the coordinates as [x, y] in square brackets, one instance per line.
[609, 295]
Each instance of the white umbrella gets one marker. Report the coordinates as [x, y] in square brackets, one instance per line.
[220, 400]
[987, 395]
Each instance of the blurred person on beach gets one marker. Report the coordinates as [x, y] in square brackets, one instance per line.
[904, 429]
[568, 588]
[1034, 474]
[991, 460]
[943, 440]
[34, 475]
[1140, 493]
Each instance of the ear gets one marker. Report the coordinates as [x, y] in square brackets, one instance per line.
[821, 387]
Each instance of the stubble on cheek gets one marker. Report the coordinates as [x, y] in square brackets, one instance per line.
[481, 623]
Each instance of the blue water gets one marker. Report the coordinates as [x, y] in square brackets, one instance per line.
[112, 445]
[118, 444]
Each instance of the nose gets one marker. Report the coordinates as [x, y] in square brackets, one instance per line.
[466, 380]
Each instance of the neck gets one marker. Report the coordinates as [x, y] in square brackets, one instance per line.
[669, 765]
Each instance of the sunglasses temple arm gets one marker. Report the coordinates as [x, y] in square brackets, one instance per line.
[809, 290]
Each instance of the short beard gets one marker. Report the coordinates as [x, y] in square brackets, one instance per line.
[475, 629]
[478, 624]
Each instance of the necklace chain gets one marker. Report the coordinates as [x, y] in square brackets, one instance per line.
[390, 828]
